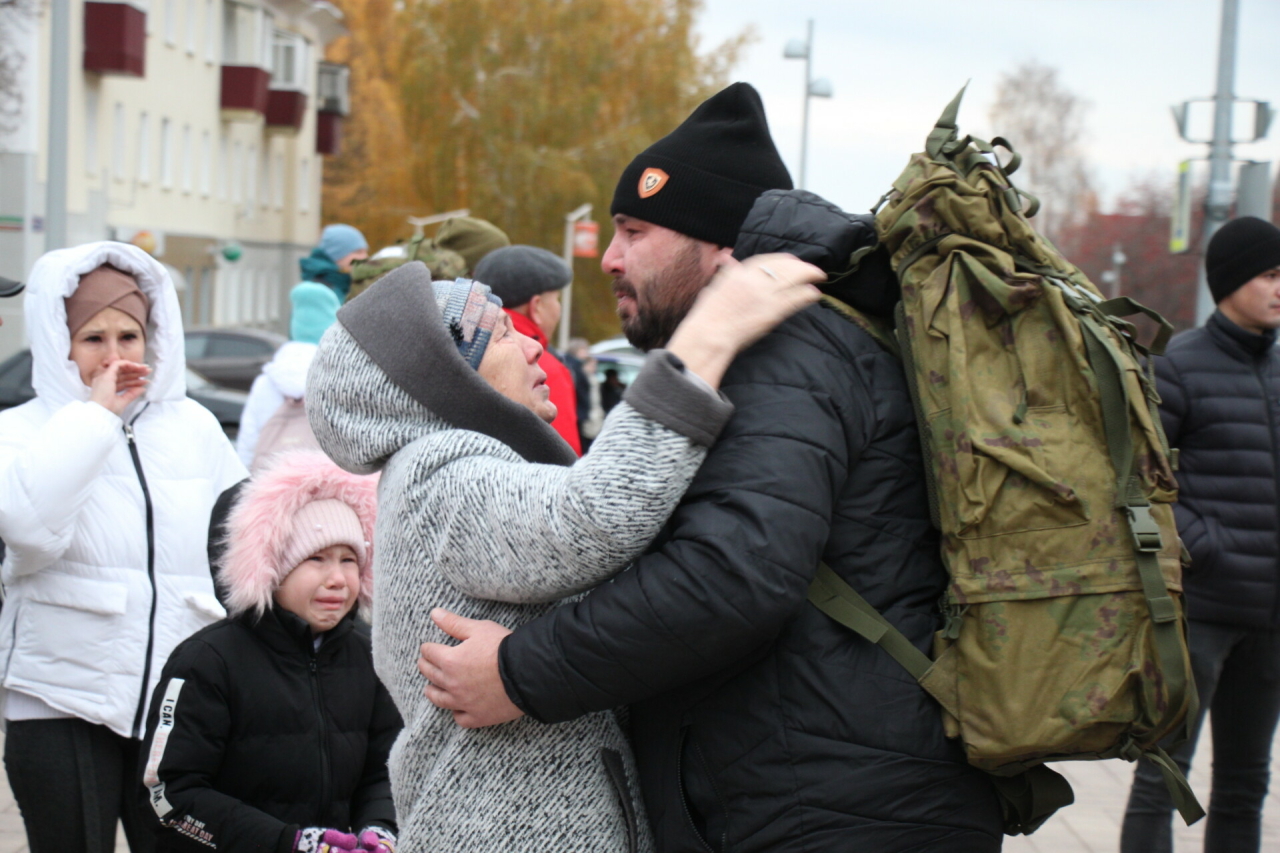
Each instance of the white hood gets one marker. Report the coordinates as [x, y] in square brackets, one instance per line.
[287, 370]
[56, 276]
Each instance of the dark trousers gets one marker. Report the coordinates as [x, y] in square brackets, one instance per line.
[1237, 672]
[72, 781]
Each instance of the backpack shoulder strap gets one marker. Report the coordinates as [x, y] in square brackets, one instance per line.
[880, 330]
[834, 597]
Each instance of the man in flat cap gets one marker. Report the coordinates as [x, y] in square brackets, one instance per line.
[1220, 403]
[758, 723]
[528, 280]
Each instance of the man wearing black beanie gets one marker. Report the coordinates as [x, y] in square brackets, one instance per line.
[1220, 404]
[758, 723]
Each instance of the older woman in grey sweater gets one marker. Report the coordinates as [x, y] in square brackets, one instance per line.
[484, 511]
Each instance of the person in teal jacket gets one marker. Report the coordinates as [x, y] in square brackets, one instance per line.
[330, 262]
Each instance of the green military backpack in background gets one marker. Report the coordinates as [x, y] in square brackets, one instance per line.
[445, 264]
[1050, 479]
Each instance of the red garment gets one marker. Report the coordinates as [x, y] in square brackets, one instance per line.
[559, 380]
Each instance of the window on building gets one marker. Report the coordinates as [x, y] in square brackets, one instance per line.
[268, 181]
[144, 148]
[277, 185]
[290, 61]
[241, 34]
[211, 27]
[251, 176]
[166, 154]
[186, 158]
[224, 167]
[91, 131]
[266, 26]
[191, 27]
[304, 186]
[237, 173]
[171, 22]
[206, 164]
[118, 157]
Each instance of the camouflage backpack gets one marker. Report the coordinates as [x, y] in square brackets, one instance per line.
[1050, 479]
[445, 264]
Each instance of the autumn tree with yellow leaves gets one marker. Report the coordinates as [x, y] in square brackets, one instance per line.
[520, 111]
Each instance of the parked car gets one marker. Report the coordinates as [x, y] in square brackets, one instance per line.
[617, 354]
[225, 403]
[232, 358]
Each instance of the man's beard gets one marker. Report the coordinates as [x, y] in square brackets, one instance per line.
[663, 300]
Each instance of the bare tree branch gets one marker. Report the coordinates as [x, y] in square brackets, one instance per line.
[1046, 122]
[15, 18]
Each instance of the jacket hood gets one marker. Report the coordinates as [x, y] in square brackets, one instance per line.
[388, 372]
[56, 275]
[261, 524]
[287, 369]
[318, 267]
[843, 245]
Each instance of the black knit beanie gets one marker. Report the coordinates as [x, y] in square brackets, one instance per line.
[1239, 251]
[702, 178]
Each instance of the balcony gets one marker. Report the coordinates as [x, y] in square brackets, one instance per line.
[286, 110]
[245, 92]
[328, 133]
[334, 96]
[115, 39]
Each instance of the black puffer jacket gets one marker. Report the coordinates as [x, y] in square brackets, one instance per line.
[1220, 404]
[759, 724]
[252, 735]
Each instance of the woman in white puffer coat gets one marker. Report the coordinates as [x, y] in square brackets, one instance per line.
[107, 480]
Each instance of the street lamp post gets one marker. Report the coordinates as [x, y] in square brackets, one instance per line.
[570, 219]
[820, 88]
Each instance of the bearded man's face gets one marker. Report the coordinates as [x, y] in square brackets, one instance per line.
[657, 275]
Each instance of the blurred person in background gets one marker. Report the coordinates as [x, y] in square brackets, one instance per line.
[611, 389]
[107, 479]
[277, 394]
[1220, 404]
[330, 262]
[590, 411]
[528, 280]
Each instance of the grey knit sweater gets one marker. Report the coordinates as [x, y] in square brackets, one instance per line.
[466, 523]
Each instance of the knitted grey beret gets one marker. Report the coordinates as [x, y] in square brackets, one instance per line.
[516, 274]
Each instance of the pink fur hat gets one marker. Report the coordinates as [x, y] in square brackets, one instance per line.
[260, 529]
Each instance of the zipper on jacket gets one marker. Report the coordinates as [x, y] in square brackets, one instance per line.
[151, 577]
[324, 740]
[1268, 403]
[684, 798]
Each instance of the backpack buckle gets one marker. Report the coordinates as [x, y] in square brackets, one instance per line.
[1145, 531]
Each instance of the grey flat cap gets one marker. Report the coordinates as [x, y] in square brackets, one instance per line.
[516, 274]
[8, 287]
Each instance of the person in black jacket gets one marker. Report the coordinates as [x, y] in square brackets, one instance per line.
[1220, 403]
[269, 730]
[759, 724]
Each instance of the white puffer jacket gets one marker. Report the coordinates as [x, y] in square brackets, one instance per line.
[106, 569]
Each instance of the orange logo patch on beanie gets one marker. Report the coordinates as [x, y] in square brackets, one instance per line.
[651, 181]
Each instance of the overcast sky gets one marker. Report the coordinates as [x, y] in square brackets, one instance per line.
[895, 65]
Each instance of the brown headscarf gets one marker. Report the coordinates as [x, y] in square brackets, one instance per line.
[106, 287]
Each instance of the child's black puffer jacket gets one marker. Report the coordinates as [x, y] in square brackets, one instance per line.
[254, 734]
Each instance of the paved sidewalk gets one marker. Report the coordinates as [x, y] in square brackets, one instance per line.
[1092, 825]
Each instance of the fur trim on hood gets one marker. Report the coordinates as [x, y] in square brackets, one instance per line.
[261, 524]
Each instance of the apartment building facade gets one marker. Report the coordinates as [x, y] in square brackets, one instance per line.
[197, 130]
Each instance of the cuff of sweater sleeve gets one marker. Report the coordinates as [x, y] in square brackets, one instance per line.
[509, 685]
[288, 836]
[665, 392]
